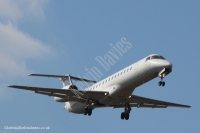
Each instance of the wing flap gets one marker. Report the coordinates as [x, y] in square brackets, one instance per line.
[141, 106]
[95, 94]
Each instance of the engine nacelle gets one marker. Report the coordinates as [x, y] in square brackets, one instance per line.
[59, 99]
[75, 107]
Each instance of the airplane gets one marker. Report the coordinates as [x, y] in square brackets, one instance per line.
[114, 91]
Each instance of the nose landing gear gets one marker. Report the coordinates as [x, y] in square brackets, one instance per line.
[162, 74]
[161, 83]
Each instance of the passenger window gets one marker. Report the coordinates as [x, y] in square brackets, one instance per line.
[130, 68]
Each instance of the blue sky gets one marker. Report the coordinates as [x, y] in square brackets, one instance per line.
[61, 37]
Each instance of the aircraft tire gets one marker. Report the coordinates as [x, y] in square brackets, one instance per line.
[89, 112]
[122, 115]
[126, 116]
[85, 111]
[163, 83]
[160, 83]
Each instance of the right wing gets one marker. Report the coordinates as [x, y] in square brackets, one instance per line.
[70, 94]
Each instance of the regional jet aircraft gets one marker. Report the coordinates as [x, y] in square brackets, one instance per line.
[114, 91]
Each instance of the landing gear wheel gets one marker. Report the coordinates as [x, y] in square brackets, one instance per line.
[85, 111]
[160, 83]
[122, 115]
[126, 116]
[89, 111]
[127, 110]
[163, 83]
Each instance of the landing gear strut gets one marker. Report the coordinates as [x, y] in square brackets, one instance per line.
[127, 110]
[88, 109]
[161, 83]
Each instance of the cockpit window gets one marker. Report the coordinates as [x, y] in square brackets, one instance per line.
[162, 57]
[157, 57]
[148, 58]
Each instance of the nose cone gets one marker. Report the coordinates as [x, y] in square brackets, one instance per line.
[162, 64]
[167, 64]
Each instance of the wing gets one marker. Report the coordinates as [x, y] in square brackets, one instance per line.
[64, 77]
[137, 101]
[70, 94]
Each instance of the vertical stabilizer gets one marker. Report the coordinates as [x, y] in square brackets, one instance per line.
[66, 81]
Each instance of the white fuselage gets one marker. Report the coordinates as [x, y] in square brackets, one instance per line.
[121, 84]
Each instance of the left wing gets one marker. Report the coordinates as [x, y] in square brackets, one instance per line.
[137, 101]
[70, 94]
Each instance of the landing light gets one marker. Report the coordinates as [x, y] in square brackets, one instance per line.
[129, 96]
[106, 94]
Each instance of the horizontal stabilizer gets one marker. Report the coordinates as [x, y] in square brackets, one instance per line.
[64, 77]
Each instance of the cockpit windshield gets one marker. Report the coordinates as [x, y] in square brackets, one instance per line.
[157, 57]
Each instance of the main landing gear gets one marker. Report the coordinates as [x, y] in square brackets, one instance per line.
[127, 110]
[88, 111]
